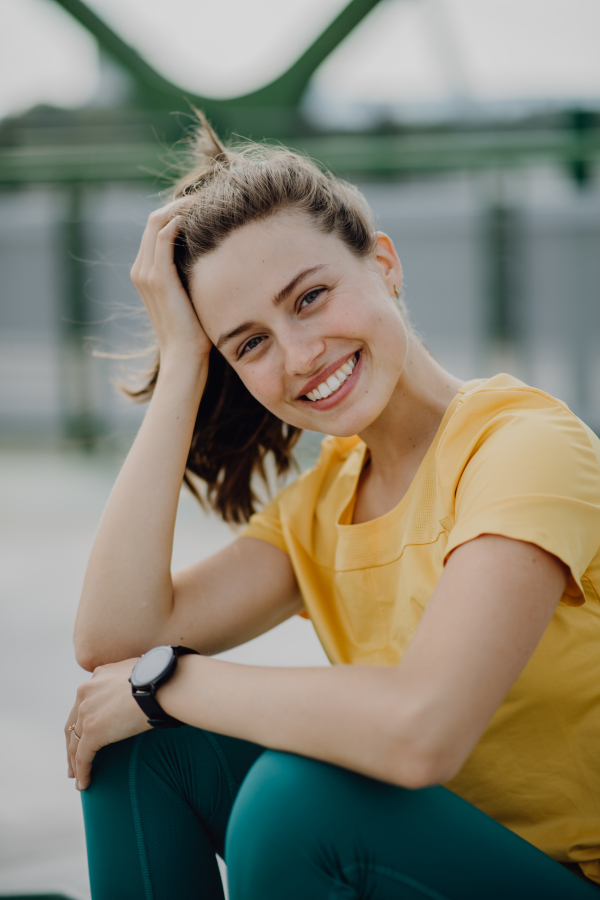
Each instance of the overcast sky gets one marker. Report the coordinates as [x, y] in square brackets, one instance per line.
[405, 51]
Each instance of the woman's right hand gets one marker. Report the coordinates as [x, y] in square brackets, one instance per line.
[155, 276]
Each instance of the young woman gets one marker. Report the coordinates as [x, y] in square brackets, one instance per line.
[445, 546]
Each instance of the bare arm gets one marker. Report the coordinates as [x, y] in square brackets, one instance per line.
[413, 725]
[130, 602]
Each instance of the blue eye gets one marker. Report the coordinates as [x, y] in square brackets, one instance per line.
[251, 344]
[307, 297]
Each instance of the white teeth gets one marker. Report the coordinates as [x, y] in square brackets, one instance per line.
[334, 382]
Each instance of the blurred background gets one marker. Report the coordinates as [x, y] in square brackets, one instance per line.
[472, 127]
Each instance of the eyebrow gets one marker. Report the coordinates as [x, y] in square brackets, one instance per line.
[241, 329]
[277, 301]
[287, 290]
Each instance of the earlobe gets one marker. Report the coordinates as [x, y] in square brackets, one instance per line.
[388, 262]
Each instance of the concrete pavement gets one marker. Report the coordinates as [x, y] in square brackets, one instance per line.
[50, 504]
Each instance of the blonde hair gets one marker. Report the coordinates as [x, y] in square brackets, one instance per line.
[226, 189]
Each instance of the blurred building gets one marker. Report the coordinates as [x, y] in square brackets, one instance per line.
[474, 140]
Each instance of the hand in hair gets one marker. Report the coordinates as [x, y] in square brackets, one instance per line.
[178, 330]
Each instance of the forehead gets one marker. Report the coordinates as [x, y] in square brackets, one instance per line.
[256, 261]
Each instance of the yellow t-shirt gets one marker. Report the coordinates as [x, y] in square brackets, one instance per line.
[507, 459]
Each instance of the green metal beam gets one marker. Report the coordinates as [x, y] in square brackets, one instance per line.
[151, 86]
[288, 89]
[158, 92]
[357, 155]
[79, 422]
[79, 163]
[460, 150]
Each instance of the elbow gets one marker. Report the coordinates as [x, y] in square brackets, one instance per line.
[85, 651]
[86, 645]
[422, 770]
[88, 665]
[94, 648]
[91, 652]
[85, 657]
[88, 653]
[420, 755]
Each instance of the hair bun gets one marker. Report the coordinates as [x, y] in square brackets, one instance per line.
[207, 153]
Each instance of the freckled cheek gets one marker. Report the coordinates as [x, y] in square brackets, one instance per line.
[361, 316]
[265, 385]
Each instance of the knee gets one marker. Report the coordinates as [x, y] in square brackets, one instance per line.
[264, 825]
[274, 795]
[281, 816]
[181, 759]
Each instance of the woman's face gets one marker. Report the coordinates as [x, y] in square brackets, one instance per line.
[289, 307]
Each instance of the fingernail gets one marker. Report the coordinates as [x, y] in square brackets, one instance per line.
[77, 785]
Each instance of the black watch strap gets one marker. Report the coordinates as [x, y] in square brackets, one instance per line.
[154, 712]
[146, 698]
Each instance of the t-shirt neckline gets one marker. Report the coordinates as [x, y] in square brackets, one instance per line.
[398, 509]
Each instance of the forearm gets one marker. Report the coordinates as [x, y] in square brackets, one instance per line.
[352, 716]
[127, 594]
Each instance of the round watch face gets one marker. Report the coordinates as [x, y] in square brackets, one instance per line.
[151, 666]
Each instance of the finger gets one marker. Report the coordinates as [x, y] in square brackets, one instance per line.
[156, 221]
[164, 278]
[72, 717]
[165, 245]
[83, 763]
[71, 754]
[70, 772]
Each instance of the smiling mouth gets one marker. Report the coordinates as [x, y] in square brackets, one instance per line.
[335, 381]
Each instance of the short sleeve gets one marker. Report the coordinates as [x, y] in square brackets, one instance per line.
[533, 475]
[266, 525]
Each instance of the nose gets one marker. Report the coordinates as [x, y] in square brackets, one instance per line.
[301, 353]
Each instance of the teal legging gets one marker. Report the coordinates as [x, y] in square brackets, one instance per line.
[161, 805]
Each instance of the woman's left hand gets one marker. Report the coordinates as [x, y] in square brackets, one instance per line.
[104, 712]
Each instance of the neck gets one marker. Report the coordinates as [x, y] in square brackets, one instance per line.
[408, 424]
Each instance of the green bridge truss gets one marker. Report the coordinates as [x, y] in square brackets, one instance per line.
[131, 142]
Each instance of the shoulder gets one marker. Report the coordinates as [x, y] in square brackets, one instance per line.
[502, 416]
[515, 461]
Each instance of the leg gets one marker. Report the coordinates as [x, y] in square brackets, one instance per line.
[305, 829]
[156, 813]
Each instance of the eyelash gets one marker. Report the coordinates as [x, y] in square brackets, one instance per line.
[246, 345]
[246, 348]
[314, 291]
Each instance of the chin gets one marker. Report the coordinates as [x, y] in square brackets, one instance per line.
[349, 424]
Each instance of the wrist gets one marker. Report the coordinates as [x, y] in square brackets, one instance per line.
[182, 362]
[153, 670]
[173, 695]
[182, 375]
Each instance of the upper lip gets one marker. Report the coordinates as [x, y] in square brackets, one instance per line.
[325, 373]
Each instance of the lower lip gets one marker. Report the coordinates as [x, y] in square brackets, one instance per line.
[343, 391]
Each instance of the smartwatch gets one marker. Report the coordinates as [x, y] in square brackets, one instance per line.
[150, 672]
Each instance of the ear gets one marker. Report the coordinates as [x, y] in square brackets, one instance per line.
[388, 262]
